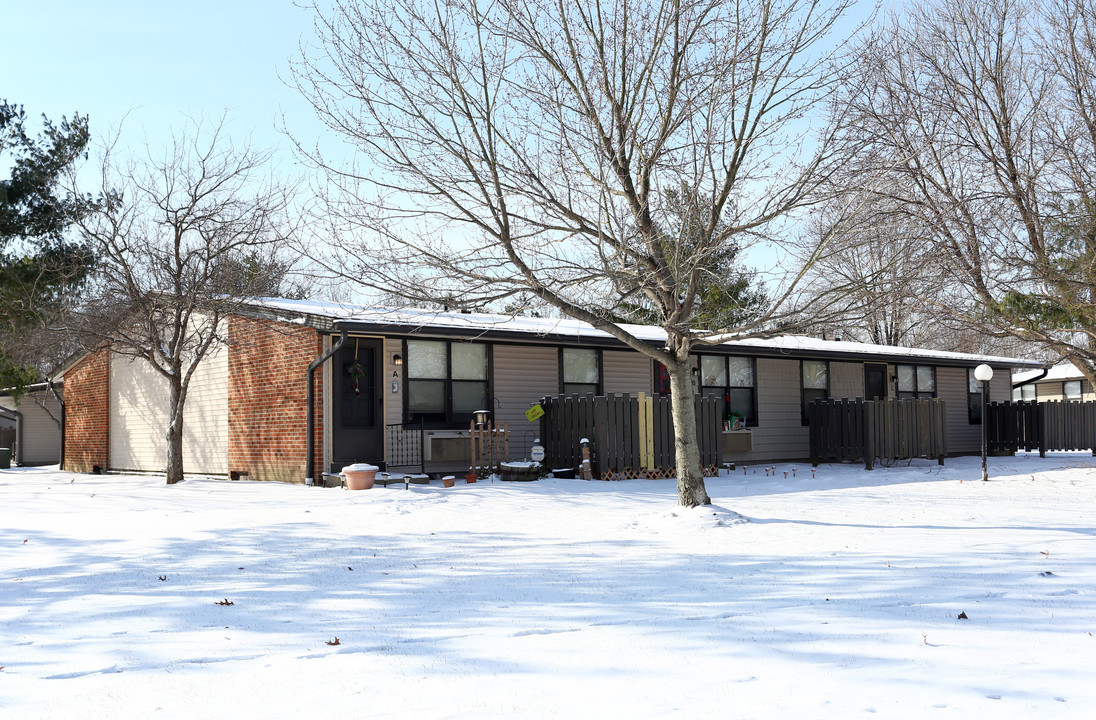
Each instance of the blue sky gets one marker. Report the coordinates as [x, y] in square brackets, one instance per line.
[157, 62]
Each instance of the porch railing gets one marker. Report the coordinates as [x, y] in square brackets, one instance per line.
[404, 445]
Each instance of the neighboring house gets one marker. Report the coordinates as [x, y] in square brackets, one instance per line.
[1061, 382]
[247, 410]
[33, 421]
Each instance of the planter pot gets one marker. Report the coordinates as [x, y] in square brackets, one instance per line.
[360, 476]
[470, 478]
[448, 481]
[520, 472]
[564, 473]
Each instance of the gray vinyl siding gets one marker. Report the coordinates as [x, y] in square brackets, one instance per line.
[522, 375]
[779, 434]
[951, 387]
[846, 380]
[40, 443]
[626, 372]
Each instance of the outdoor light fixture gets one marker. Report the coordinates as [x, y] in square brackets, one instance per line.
[983, 374]
[397, 359]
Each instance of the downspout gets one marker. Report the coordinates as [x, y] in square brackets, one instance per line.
[310, 442]
[1031, 380]
[61, 402]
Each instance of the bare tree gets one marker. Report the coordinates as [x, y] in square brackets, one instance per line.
[982, 124]
[528, 148]
[167, 233]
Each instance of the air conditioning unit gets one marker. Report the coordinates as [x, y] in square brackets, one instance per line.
[447, 447]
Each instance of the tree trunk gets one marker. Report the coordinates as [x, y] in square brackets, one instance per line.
[690, 477]
[175, 432]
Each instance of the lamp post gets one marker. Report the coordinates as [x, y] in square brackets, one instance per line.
[984, 373]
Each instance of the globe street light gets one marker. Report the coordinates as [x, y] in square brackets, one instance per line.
[984, 373]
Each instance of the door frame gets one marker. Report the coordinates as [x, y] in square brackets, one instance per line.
[886, 384]
[329, 369]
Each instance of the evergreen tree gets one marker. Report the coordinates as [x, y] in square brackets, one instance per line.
[39, 266]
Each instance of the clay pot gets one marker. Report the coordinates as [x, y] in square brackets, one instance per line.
[448, 481]
[360, 476]
[470, 477]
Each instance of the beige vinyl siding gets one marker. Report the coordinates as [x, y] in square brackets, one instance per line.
[205, 416]
[1055, 390]
[522, 375]
[40, 443]
[139, 398]
[626, 372]
[138, 415]
[393, 401]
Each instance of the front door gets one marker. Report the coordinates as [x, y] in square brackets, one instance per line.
[357, 402]
[875, 381]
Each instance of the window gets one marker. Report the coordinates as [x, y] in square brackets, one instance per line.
[446, 381]
[1024, 392]
[1071, 389]
[916, 381]
[814, 380]
[580, 371]
[974, 398]
[662, 379]
[731, 378]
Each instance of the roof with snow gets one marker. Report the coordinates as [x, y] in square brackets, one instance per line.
[1062, 371]
[335, 316]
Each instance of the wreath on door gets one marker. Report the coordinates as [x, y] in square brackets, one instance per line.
[357, 371]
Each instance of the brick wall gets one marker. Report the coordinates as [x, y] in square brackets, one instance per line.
[267, 386]
[87, 412]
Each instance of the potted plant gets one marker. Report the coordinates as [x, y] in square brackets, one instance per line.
[519, 471]
[360, 476]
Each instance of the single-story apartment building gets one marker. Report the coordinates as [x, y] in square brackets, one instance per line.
[31, 424]
[1061, 382]
[375, 370]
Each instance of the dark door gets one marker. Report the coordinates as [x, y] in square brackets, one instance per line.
[357, 403]
[875, 381]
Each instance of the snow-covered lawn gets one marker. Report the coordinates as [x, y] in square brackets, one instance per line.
[835, 596]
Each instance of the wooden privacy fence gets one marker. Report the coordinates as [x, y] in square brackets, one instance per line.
[867, 430]
[1047, 425]
[629, 436]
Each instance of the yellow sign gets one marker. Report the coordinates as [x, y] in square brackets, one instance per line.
[533, 413]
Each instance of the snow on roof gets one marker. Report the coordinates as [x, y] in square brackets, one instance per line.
[1062, 371]
[579, 330]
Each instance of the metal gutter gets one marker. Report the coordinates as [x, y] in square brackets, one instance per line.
[310, 442]
[60, 401]
[526, 338]
[1033, 379]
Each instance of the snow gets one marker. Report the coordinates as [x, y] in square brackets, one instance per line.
[569, 327]
[831, 596]
[1062, 371]
[360, 467]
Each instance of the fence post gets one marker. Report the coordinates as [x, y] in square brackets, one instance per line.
[869, 434]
